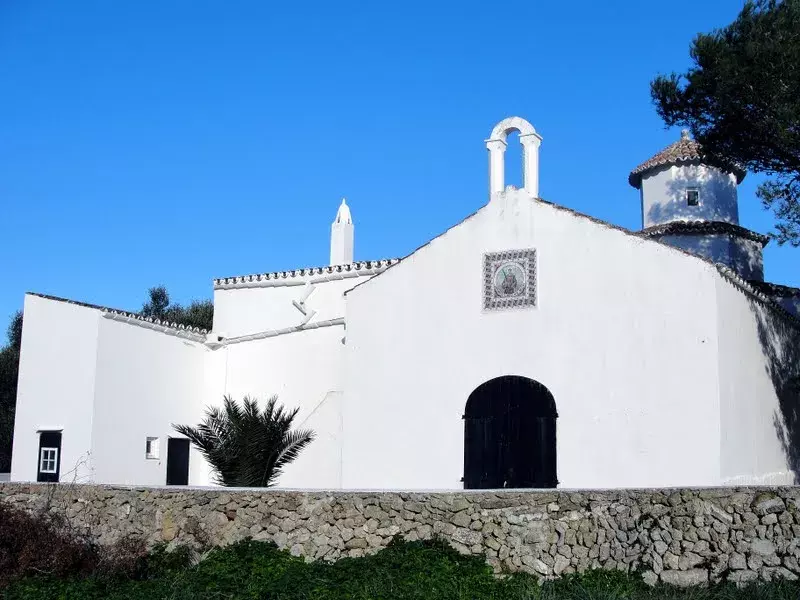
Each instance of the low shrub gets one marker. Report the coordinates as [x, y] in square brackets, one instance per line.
[259, 570]
[44, 544]
[420, 570]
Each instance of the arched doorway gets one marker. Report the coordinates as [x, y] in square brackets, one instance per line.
[510, 435]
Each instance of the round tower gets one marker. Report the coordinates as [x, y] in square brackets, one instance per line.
[689, 200]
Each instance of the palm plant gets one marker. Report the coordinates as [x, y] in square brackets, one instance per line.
[247, 447]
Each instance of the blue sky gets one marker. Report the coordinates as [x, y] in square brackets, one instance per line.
[173, 142]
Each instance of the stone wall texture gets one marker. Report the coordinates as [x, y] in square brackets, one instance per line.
[679, 536]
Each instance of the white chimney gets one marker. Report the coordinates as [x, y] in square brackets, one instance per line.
[342, 236]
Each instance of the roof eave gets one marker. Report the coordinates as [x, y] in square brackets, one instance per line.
[635, 177]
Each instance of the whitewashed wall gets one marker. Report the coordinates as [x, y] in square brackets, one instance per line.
[663, 372]
[56, 386]
[624, 336]
[715, 247]
[242, 311]
[145, 381]
[758, 358]
[304, 369]
[664, 195]
[110, 385]
[742, 255]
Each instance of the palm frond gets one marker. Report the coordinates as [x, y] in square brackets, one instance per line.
[246, 446]
[291, 446]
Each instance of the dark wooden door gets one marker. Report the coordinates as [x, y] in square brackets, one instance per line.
[49, 457]
[510, 435]
[177, 461]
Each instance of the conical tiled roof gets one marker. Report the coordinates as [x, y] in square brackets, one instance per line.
[685, 150]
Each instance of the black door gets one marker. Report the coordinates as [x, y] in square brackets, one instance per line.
[177, 461]
[510, 435]
[49, 456]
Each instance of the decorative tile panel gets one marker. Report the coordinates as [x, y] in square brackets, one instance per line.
[509, 279]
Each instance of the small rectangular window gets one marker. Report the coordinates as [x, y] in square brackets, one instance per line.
[151, 448]
[48, 460]
[692, 197]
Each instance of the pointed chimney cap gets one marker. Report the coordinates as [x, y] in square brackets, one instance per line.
[343, 214]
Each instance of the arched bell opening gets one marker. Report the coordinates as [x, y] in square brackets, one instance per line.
[497, 144]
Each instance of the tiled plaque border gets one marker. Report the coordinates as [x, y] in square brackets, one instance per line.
[526, 259]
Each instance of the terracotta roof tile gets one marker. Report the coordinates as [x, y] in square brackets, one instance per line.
[703, 227]
[775, 289]
[355, 267]
[685, 150]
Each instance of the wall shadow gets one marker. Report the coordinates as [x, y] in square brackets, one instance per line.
[747, 258]
[718, 199]
[779, 336]
[740, 254]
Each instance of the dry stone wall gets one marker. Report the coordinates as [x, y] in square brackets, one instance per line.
[682, 537]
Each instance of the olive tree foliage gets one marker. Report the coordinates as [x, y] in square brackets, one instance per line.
[199, 313]
[741, 100]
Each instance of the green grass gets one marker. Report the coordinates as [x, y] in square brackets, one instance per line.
[405, 570]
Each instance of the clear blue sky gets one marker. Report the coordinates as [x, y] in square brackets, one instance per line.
[177, 141]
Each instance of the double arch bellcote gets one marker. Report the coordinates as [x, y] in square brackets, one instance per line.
[497, 144]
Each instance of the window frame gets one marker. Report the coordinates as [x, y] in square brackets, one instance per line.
[696, 191]
[150, 443]
[50, 459]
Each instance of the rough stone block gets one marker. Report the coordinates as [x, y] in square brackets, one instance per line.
[356, 543]
[461, 519]
[560, 565]
[685, 578]
[767, 503]
[762, 547]
[741, 578]
[467, 537]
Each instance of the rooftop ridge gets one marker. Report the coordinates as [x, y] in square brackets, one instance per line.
[354, 267]
[740, 282]
[124, 313]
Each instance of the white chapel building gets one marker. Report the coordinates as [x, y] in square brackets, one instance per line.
[527, 346]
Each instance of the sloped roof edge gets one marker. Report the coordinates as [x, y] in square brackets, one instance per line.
[704, 227]
[418, 248]
[728, 274]
[746, 286]
[775, 289]
[124, 313]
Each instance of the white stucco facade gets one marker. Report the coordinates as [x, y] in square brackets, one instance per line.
[56, 386]
[595, 357]
[666, 365]
[144, 382]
